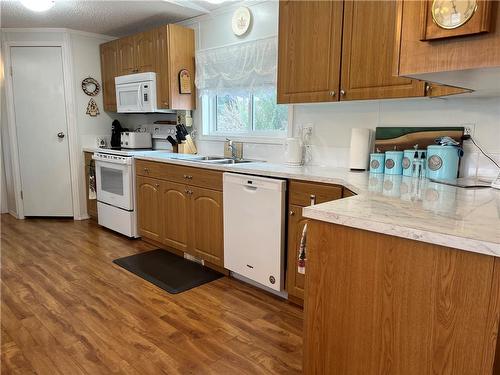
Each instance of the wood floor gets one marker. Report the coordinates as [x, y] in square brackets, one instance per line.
[67, 309]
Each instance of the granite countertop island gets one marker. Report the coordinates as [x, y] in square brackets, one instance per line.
[417, 209]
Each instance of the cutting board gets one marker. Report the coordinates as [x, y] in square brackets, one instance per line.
[403, 138]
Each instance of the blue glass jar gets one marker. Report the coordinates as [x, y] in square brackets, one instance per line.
[393, 162]
[377, 162]
[442, 162]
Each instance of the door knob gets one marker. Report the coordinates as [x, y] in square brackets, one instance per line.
[60, 135]
[342, 92]
[332, 93]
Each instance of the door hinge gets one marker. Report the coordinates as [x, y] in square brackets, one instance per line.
[22, 197]
[10, 71]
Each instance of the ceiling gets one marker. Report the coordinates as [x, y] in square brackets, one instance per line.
[114, 18]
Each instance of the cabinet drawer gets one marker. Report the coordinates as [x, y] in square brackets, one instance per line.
[307, 193]
[152, 169]
[196, 176]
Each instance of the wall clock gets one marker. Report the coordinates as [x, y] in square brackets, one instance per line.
[450, 14]
[451, 18]
[241, 21]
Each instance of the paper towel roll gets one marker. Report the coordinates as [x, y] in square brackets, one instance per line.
[361, 140]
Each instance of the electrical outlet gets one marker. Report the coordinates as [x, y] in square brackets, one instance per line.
[307, 130]
[467, 131]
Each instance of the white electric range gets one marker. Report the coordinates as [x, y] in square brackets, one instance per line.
[115, 187]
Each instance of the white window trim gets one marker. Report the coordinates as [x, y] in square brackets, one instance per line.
[261, 138]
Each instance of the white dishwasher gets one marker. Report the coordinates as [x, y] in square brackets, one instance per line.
[254, 228]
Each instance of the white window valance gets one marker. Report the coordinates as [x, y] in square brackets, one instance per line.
[246, 66]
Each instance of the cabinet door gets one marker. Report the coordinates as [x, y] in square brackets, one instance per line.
[207, 234]
[368, 48]
[175, 205]
[126, 55]
[148, 207]
[109, 70]
[295, 281]
[144, 51]
[310, 36]
[162, 68]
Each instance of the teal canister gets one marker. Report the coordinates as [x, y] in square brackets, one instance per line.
[377, 161]
[442, 162]
[393, 162]
[407, 162]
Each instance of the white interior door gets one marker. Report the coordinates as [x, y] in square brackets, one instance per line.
[41, 125]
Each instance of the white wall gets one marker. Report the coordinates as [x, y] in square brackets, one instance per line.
[333, 121]
[85, 61]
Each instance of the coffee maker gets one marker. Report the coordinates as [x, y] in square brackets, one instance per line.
[116, 130]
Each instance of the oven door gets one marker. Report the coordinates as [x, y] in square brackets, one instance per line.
[129, 97]
[115, 184]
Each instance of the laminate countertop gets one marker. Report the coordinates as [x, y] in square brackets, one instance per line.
[418, 209]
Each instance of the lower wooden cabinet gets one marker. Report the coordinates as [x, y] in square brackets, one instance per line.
[302, 194]
[206, 239]
[89, 175]
[378, 304]
[174, 212]
[295, 280]
[181, 216]
[148, 207]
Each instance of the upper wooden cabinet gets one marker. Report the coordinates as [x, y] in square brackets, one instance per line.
[310, 37]
[144, 48]
[335, 50]
[368, 42]
[175, 51]
[457, 61]
[126, 56]
[109, 70]
[165, 50]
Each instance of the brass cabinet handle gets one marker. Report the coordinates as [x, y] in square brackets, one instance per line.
[313, 199]
[157, 185]
[332, 93]
[292, 213]
[146, 170]
[342, 92]
[188, 177]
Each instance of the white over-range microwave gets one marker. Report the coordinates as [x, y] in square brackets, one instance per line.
[136, 93]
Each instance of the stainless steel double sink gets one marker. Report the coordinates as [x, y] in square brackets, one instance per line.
[221, 160]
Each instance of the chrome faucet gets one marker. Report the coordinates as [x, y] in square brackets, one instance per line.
[231, 148]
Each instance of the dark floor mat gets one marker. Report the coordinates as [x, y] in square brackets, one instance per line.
[168, 271]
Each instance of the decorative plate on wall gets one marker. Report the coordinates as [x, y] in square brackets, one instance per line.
[241, 21]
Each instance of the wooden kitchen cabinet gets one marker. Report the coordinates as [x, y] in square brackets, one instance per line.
[207, 227]
[175, 52]
[126, 56]
[148, 207]
[109, 70]
[342, 50]
[295, 280]
[309, 50]
[450, 61]
[145, 47]
[89, 166]
[181, 207]
[302, 194]
[165, 50]
[174, 212]
[378, 304]
[368, 40]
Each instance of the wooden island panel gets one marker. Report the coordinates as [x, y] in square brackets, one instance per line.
[378, 304]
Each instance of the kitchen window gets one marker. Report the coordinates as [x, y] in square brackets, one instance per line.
[245, 114]
[237, 87]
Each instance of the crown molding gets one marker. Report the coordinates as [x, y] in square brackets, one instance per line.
[55, 30]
